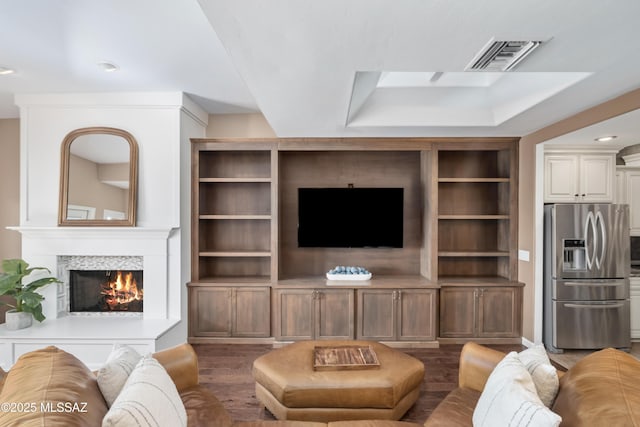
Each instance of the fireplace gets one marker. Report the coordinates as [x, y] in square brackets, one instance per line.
[105, 291]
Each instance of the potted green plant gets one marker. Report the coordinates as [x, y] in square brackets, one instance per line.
[28, 302]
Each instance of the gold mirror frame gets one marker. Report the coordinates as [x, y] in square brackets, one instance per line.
[130, 212]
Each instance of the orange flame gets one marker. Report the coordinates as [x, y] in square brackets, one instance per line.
[122, 290]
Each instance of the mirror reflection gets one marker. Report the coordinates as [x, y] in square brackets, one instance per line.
[98, 182]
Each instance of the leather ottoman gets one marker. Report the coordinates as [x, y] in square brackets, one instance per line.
[289, 387]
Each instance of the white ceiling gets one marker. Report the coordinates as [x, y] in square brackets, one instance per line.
[296, 61]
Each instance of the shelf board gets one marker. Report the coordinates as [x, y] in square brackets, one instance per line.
[262, 217]
[248, 180]
[472, 180]
[473, 281]
[463, 254]
[481, 217]
[230, 280]
[235, 254]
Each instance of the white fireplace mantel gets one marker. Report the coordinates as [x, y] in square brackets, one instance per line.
[92, 338]
[107, 233]
[42, 246]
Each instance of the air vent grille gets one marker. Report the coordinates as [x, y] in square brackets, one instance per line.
[501, 55]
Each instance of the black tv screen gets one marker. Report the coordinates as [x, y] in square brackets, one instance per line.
[350, 217]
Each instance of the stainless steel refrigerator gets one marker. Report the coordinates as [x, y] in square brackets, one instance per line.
[586, 277]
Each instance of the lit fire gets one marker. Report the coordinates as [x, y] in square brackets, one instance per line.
[122, 290]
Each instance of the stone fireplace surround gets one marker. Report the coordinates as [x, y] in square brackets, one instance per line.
[91, 338]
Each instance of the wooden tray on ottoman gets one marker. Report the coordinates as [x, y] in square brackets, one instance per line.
[346, 357]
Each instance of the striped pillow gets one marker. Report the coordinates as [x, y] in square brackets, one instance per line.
[510, 399]
[149, 398]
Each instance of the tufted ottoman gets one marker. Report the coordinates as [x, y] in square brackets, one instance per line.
[289, 387]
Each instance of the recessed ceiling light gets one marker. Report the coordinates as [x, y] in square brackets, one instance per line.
[4, 71]
[108, 67]
[606, 138]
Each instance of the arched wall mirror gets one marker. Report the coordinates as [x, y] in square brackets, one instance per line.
[98, 182]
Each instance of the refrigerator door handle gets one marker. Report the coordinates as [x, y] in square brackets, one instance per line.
[603, 245]
[594, 282]
[591, 306]
[589, 225]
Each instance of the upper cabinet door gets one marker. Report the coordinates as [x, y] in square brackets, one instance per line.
[579, 178]
[633, 199]
[560, 178]
[597, 174]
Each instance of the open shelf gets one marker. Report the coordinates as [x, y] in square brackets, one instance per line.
[475, 208]
[486, 265]
[232, 229]
[474, 165]
[245, 266]
[235, 198]
[236, 164]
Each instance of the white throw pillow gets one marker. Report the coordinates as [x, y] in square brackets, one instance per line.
[119, 365]
[149, 398]
[544, 374]
[510, 399]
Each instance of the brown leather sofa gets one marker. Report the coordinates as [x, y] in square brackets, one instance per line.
[601, 389]
[51, 375]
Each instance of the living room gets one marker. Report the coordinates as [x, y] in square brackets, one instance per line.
[163, 122]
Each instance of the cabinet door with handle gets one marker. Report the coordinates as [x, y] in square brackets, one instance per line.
[561, 178]
[294, 308]
[376, 314]
[499, 312]
[458, 312]
[597, 174]
[416, 314]
[334, 316]
[210, 311]
[251, 312]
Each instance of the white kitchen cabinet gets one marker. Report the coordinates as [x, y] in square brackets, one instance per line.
[621, 187]
[628, 191]
[579, 177]
[635, 308]
[633, 199]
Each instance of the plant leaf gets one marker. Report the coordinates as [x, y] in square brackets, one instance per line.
[9, 283]
[35, 311]
[15, 266]
[36, 284]
[31, 299]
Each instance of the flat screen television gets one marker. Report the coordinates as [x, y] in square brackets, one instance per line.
[350, 217]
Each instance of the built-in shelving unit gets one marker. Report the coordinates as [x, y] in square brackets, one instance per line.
[453, 279]
[476, 204]
[233, 201]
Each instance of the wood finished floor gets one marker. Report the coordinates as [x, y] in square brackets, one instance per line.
[225, 369]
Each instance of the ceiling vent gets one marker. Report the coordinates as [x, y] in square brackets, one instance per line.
[501, 55]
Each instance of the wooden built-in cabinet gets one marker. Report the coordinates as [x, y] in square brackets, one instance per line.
[304, 314]
[459, 223]
[397, 314]
[480, 312]
[477, 243]
[229, 311]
